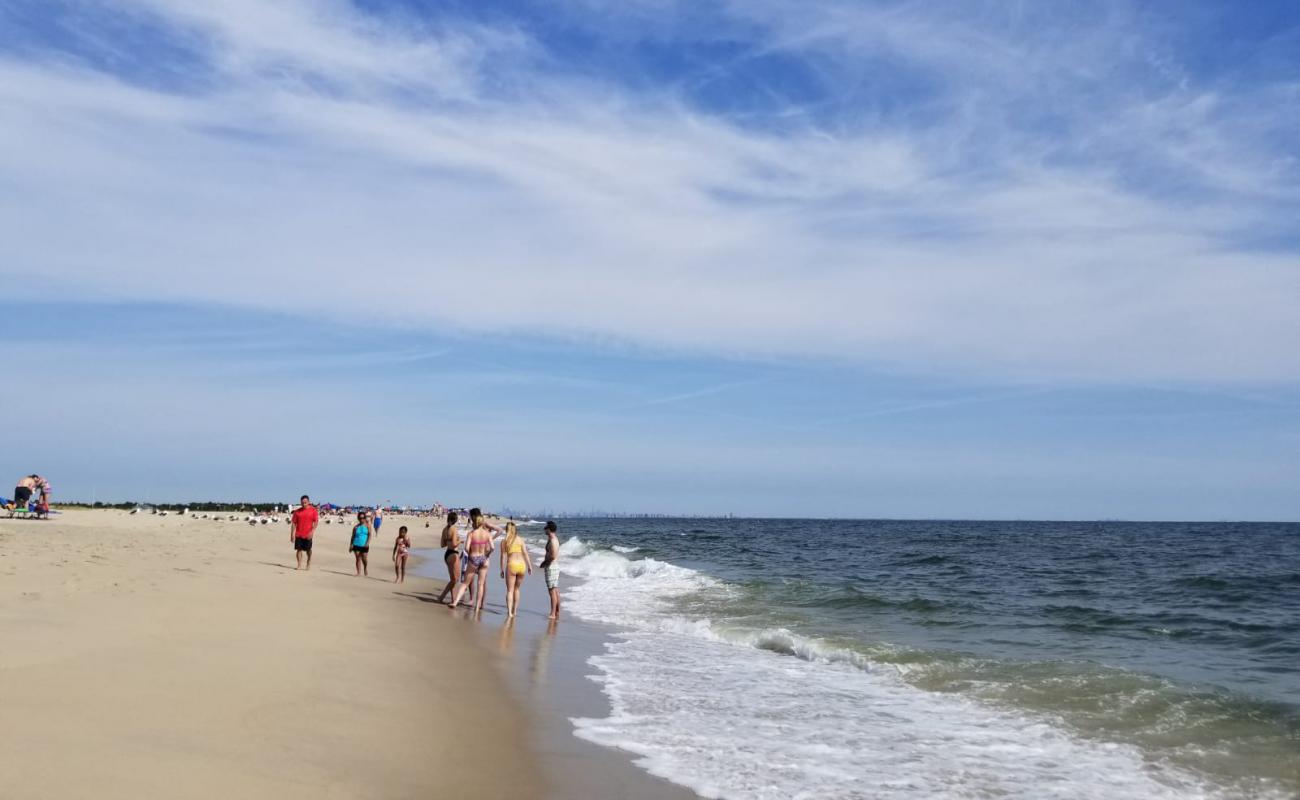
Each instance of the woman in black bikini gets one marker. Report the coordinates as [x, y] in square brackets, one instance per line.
[450, 554]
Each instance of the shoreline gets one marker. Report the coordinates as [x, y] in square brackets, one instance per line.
[546, 669]
[186, 658]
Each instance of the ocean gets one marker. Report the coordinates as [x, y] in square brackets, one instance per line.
[887, 659]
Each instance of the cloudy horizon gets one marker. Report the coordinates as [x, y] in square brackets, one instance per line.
[839, 259]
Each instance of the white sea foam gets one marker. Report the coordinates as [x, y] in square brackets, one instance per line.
[729, 713]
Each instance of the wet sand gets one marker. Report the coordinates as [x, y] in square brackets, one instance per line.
[546, 670]
[150, 656]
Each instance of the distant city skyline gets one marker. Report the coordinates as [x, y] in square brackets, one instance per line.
[825, 259]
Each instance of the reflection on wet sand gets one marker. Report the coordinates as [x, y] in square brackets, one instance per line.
[506, 638]
[541, 659]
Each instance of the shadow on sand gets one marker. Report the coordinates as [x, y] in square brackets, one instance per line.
[423, 597]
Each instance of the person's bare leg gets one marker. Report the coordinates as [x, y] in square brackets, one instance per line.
[460, 591]
[555, 604]
[397, 569]
[309, 560]
[365, 564]
[453, 573]
[482, 587]
[357, 557]
[298, 557]
[510, 591]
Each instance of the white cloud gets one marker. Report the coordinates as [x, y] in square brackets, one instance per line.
[328, 40]
[335, 153]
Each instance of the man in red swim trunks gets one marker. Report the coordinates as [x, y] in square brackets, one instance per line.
[302, 526]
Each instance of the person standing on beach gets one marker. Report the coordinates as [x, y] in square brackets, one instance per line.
[401, 549]
[360, 546]
[478, 549]
[42, 497]
[478, 586]
[515, 562]
[302, 527]
[551, 568]
[44, 489]
[450, 544]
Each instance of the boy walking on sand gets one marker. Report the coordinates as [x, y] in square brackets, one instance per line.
[551, 569]
[302, 527]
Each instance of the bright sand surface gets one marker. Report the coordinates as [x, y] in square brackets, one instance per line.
[148, 656]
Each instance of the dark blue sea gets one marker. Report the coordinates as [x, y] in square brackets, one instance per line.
[885, 659]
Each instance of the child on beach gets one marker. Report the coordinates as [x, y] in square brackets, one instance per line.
[360, 546]
[551, 568]
[515, 561]
[401, 549]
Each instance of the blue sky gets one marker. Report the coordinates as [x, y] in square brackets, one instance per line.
[820, 258]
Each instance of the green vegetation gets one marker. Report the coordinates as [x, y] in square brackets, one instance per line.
[194, 507]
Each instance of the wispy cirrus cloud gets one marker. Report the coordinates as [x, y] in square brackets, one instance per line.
[1045, 197]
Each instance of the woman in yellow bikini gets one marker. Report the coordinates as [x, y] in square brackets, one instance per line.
[515, 563]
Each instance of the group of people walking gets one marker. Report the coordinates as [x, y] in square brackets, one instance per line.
[468, 558]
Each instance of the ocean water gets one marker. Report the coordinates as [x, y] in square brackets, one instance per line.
[879, 659]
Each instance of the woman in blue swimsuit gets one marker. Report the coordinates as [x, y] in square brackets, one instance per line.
[360, 546]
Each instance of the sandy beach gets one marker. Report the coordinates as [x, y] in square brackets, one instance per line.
[151, 656]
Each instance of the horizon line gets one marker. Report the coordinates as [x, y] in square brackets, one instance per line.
[664, 515]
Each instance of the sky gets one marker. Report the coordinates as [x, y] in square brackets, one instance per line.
[826, 258]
